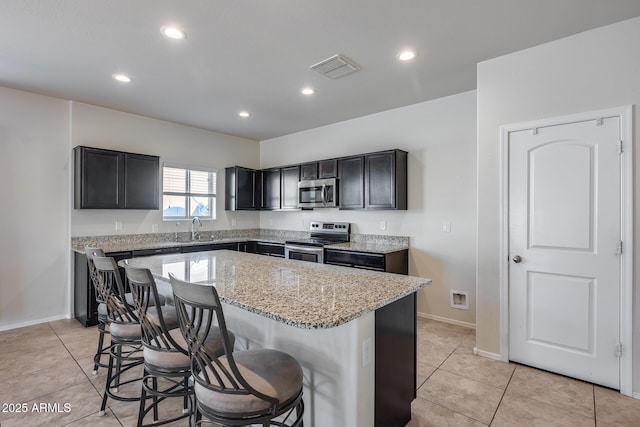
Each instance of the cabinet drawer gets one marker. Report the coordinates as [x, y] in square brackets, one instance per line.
[159, 251]
[355, 259]
[272, 249]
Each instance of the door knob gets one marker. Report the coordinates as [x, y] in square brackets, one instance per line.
[517, 259]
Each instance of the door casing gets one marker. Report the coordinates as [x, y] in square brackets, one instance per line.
[626, 222]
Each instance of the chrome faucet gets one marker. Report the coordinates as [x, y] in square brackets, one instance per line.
[194, 231]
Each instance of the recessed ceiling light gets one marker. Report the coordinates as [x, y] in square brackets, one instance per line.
[307, 91]
[174, 33]
[407, 55]
[244, 114]
[123, 78]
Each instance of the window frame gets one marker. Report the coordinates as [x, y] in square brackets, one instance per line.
[212, 195]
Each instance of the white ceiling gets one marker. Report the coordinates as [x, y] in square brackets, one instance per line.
[255, 54]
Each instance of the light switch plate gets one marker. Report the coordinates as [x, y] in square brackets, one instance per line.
[383, 225]
[446, 227]
[118, 225]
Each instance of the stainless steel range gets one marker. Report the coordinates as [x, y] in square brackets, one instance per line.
[322, 233]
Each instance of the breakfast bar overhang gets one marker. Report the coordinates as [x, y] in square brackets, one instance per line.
[353, 331]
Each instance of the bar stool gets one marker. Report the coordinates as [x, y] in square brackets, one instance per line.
[234, 389]
[103, 321]
[125, 352]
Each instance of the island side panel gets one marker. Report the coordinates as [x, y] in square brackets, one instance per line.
[338, 389]
[395, 360]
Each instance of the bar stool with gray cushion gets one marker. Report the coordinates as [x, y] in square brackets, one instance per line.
[241, 388]
[126, 346]
[103, 320]
[165, 351]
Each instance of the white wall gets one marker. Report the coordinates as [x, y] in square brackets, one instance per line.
[590, 71]
[440, 138]
[103, 128]
[34, 214]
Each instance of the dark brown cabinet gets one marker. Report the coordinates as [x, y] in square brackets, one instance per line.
[351, 182]
[270, 189]
[394, 262]
[107, 179]
[85, 306]
[374, 181]
[385, 180]
[308, 171]
[290, 179]
[328, 169]
[242, 189]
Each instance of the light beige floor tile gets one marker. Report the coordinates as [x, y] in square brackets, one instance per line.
[65, 325]
[482, 369]
[616, 409]
[433, 353]
[566, 393]
[58, 408]
[30, 386]
[21, 363]
[42, 342]
[470, 398]
[95, 420]
[428, 414]
[26, 333]
[422, 373]
[516, 410]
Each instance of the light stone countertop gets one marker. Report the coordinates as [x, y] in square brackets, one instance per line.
[123, 246]
[376, 248]
[302, 294]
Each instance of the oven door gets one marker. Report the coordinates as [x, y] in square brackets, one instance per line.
[304, 253]
[319, 193]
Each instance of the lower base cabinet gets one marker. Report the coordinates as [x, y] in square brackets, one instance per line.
[394, 262]
[85, 305]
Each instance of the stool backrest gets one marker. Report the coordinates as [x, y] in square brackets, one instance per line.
[155, 334]
[91, 253]
[199, 311]
[109, 287]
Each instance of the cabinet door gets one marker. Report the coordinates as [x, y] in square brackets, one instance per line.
[270, 189]
[351, 182]
[328, 169]
[141, 182]
[242, 189]
[379, 185]
[99, 178]
[290, 179]
[309, 171]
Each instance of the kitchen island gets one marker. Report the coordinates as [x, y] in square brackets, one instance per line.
[353, 331]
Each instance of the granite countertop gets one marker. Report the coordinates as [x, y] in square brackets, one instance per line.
[133, 245]
[302, 294]
[376, 248]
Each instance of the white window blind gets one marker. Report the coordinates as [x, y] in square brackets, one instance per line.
[188, 193]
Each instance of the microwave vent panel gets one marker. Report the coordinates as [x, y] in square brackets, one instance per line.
[336, 66]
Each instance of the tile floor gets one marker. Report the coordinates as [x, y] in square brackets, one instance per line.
[52, 363]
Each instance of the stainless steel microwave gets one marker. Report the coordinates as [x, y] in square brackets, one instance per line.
[318, 193]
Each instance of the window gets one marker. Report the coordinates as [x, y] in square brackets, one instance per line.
[187, 193]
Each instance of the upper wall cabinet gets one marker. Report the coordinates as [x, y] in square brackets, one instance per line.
[107, 179]
[270, 189]
[242, 189]
[290, 179]
[374, 181]
[385, 180]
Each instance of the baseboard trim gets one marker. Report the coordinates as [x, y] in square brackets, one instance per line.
[636, 395]
[33, 322]
[447, 320]
[487, 354]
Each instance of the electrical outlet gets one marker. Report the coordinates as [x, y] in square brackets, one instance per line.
[118, 225]
[154, 228]
[383, 225]
[233, 222]
[367, 352]
[446, 227]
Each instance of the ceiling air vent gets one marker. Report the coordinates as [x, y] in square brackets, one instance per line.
[336, 66]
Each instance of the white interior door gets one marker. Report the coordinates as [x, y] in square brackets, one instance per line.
[564, 236]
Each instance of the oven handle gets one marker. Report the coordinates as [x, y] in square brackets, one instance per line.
[299, 248]
[324, 190]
